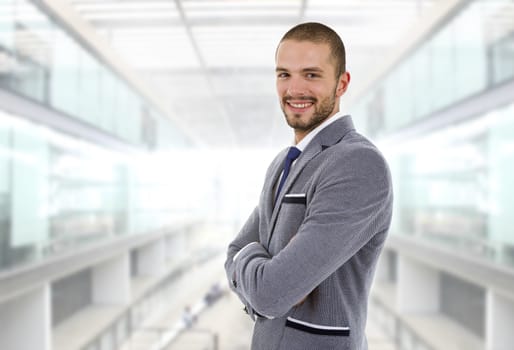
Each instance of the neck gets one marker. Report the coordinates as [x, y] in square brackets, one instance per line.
[299, 134]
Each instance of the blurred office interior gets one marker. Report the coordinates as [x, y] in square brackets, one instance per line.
[134, 138]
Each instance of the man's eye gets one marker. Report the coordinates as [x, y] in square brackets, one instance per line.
[282, 75]
[312, 75]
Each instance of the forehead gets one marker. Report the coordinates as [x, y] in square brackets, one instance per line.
[293, 53]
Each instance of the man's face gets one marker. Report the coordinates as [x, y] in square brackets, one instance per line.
[307, 85]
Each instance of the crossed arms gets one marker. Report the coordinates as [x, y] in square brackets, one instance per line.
[350, 205]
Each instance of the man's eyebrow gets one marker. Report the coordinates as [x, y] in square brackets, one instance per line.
[312, 69]
[307, 69]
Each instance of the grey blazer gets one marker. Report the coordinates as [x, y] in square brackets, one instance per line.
[310, 292]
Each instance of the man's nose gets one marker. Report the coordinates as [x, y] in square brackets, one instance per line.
[296, 87]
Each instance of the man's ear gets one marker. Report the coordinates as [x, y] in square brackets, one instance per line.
[342, 84]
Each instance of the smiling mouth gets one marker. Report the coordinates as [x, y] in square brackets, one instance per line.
[300, 105]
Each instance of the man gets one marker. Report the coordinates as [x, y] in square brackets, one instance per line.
[304, 261]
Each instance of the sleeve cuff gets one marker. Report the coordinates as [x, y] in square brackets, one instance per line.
[242, 249]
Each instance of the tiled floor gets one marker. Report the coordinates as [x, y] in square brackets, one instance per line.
[233, 329]
[226, 320]
[222, 326]
[225, 324]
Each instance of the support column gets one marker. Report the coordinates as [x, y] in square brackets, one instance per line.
[417, 287]
[151, 258]
[499, 321]
[25, 321]
[111, 281]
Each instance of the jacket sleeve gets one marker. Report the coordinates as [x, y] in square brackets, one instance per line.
[351, 204]
[249, 234]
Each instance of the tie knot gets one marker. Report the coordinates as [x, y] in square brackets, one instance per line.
[293, 153]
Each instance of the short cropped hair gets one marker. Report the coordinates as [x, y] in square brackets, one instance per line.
[320, 33]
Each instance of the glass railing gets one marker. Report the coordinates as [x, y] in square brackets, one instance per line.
[454, 186]
[58, 192]
[41, 60]
[471, 52]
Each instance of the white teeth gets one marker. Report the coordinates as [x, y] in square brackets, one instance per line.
[300, 105]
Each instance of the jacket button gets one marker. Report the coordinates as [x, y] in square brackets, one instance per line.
[234, 283]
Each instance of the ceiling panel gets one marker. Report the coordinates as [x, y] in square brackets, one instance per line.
[238, 46]
[213, 61]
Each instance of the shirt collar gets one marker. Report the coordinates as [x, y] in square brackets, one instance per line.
[308, 138]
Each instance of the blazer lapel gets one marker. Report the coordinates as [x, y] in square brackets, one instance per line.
[310, 152]
[269, 185]
[327, 137]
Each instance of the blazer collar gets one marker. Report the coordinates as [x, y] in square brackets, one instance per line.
[333, 133]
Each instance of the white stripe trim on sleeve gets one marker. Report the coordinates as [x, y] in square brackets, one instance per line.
[240, 251]
[317, 326]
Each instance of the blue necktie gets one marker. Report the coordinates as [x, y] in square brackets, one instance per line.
[290, 158]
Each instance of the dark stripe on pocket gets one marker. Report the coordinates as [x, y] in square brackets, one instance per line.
[295, 200]
[301, 327]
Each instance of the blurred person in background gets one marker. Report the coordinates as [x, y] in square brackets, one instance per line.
[188, 318]
[304, 261]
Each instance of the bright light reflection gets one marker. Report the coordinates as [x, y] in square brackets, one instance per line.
[224, 185]
[99, 157]
[446, 137]
[126, 5]
[147, 15]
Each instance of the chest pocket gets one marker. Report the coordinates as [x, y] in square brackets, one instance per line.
[289, 220]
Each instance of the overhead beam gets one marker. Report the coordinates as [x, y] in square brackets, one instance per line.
[206, 21]
[203, 66]
[212, 71]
